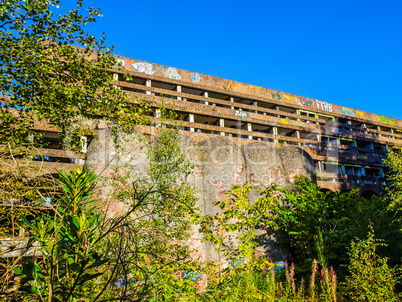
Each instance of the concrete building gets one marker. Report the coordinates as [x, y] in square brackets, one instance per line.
[236, 133]
[346, 145]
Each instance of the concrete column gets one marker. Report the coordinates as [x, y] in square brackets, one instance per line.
[222, 124]
[231, 100]
[249, 128]
[158, 115]
[255, 104]
[275, 132]
[320, 169]
[277, 109]
[205, 95]
[178, 88]
[298, 136]
[379, 129]
[191, 120]
[148, 84]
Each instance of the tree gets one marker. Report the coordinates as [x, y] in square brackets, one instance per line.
[83, 252]
[45, 77]
[370, 279]
[320, 225]
[394, 192]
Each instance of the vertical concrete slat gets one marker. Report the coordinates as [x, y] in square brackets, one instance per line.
[222, 124]
[249, 128]
[191, 120]
[178, 89]
[148, 84]
[255, 104]
[205, 95]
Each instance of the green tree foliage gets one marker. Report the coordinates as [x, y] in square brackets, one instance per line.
[309, 219]
[43, 77]
[394, 193]
[82, 251]
[68, 243]
[370, 278]
[318, 224]
[157, 248]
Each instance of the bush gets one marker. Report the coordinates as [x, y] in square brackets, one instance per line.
[370, 278]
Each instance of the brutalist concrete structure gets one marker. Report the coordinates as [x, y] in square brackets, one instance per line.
[236, 133]
[346, 145]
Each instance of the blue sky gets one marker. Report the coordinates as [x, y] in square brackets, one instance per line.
[343, 52]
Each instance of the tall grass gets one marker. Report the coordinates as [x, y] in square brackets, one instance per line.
[253, 285]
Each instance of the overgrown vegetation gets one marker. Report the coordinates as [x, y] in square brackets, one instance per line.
[73, 248]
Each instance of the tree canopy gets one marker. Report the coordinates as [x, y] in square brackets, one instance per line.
[52, 70]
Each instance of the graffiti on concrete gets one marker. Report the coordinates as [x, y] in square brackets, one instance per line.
[297, 123]
[276, 95]
[351, 112]
[254, 87]
[347, 111]
[324, 106]
[386, 120]
[229, 85]
[360, 114]
[143, 67]
[195, 77]
[289, 98]
[172, 73]
[242, 114]
[155, 69]
[307, 102]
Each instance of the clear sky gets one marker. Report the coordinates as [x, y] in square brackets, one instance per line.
[344, 52]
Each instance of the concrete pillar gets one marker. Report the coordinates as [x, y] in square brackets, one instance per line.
[148, 84]
[205, 95]
[379, 129]
[222, 124]
[249, 128]
[178, 89]
[277, 109]
[298, 136]
[231, 100]
[158, 115]
[191, 120]
[255, 104]
[275, 132]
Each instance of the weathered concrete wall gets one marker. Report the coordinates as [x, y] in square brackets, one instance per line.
[202, 81]
[219, 162]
